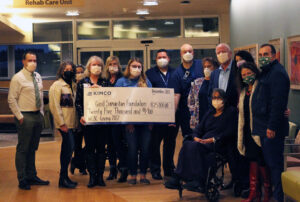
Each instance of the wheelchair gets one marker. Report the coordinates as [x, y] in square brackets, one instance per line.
[215, 178]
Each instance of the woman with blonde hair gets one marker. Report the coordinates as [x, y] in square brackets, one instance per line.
[94, 135]
[115, 135]
[138, 136]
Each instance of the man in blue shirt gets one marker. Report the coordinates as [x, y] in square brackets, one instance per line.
[225, 78]
[160, 76]
[189, 70]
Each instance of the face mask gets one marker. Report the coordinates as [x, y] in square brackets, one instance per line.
[217, 104]
[113, 69]
[79, 76]
[239, 63]
[188, 57]
[249, 79]
[264, 61]
[136, 72]
[68, 75]
[207, 72]
[31, 66]
[223, 57]
[162, 62]
[96, 70]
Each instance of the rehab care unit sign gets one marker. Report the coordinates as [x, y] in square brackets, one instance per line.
[128, 105]
[47, 3]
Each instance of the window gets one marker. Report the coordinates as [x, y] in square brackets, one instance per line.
[201, 27]
[3, 61]
[53, 31]
[49, 57]
[85, 56]
[137, 29]
[89, 30]
[125, 56]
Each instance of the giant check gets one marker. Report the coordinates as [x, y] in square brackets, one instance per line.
[128, 105]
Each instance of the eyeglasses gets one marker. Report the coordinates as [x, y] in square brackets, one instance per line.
[186, 75]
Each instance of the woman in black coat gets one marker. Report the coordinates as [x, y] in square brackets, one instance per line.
[216, 127]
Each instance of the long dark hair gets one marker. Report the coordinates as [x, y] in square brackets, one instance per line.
[62, 67]
[248, 65]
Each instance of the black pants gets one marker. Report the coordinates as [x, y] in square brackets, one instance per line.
[168, 134]
[67, 147]
[95, 147]
[110, 148]
[79, 153]
[120, 145]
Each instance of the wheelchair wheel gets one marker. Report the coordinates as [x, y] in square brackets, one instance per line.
[212, 193]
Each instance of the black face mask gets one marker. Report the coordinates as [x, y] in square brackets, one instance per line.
[68, 76]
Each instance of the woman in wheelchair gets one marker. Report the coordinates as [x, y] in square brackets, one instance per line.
[217, 127]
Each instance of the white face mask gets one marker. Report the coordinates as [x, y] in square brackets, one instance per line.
[217, 104]
[162, 62]
[96, 70]
[207, 72]
[188, 57]
[135, 72]
[223, 57]
[79, 76]
[113, 69]
[31, 66]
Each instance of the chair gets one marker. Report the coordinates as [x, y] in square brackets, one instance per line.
[215, 177]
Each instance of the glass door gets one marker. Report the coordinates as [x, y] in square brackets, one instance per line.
[85, 53]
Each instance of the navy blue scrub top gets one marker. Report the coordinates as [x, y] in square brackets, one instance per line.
[158, 79]
[182, 78]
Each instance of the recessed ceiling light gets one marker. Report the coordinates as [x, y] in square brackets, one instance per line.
[185, 2]
[152, 29]
[72, 13]
[150, 3]
[142, 12]
[169, 23]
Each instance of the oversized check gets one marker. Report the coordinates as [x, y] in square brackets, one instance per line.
[128, 105]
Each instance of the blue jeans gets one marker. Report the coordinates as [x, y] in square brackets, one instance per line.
[138, 140]
[67, 147]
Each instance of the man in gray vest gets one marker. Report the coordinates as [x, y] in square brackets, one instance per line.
[25, 99]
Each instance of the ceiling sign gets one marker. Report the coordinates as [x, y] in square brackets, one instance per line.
[47, 3]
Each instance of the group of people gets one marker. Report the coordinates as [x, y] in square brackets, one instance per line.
[230, 105]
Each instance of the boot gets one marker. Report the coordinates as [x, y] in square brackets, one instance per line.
[123, 176]
[113, 172]
[91, 166]
[101, 182]
[264, 171]
[255, 194]
[72, 166]
[93, 181]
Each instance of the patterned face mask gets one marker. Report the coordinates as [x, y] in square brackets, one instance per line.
[264, 61]
[249, 79]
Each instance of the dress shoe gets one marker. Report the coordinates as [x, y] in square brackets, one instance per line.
[173, 183]
[24, 185]
[70, 181]
[37, 181]
[194, 186]
[157, 176]
[63, 183]
[144, 181]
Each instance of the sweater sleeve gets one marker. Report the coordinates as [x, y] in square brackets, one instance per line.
[54, 104]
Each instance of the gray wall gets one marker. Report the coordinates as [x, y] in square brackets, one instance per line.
[258, 21]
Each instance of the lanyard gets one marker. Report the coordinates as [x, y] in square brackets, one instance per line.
[165, 81]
